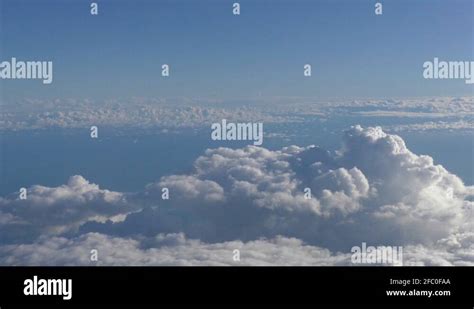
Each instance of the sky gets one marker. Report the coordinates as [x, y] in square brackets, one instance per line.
[387, 156]
[212, 53]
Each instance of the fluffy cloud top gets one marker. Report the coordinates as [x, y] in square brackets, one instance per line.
[59, 210]
[373, 190]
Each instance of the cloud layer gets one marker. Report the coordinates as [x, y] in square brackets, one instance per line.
[178, 113]
[372, 190]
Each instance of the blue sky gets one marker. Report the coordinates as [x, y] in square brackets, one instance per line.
[382, 189]
[353, 52]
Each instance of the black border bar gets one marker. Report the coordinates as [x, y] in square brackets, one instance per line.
[241, 285]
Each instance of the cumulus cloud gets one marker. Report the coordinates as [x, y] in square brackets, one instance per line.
[455, 250]
[59, 210]
[374, 182]
[372, 190]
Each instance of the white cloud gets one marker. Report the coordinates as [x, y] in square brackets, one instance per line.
[166, 249]
[456, 250]
[60, 209]
[201, 112]
[177, 250]
[375, 182]
[373, 190]
[462, 124]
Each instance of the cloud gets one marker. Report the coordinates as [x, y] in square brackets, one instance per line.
[166, 249]
[374, 182]
[373, 190]
[177, 250]
[466, 125]
[456, 250]
[412, 191]
[183, 113]
[58, 210]
[134, 113]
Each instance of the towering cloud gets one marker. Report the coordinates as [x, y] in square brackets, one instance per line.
[373, 190]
